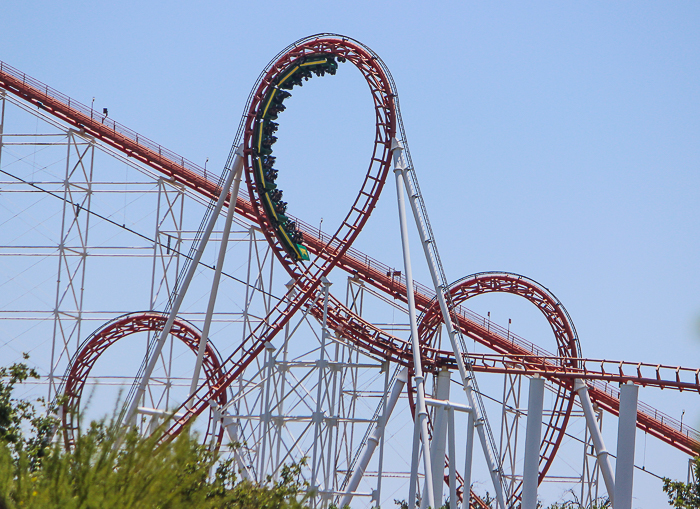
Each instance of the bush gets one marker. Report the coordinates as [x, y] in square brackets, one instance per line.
[685, 495]
[111, 468]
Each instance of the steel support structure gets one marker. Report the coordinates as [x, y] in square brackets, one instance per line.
[442, 294]
[626, 434]
[72, 253]
[602, 454]
[440, 424]
[180, 293]
[236, 172]
[168, 241]
[448, 408]
[532, 443]
[508, 442]
[270, 384]
[420, 434]
[468, 457]
[283, 418]
[167, 246]
[590, 470]
[374, 439]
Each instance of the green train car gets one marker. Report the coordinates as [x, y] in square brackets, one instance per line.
[272, 105]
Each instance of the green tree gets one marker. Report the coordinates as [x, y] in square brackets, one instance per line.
[112, 468]
[22, 427]
[137, 474]
[685, 495]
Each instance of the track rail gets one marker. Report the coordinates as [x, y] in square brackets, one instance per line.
[524, 357]
[307, 278]
[560, 322]
[95, 345]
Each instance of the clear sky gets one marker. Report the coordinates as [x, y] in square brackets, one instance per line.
[559, 140]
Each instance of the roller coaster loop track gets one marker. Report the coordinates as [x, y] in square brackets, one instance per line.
[511, 353]
[111, 332]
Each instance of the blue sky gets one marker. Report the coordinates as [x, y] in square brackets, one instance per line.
[557, 140]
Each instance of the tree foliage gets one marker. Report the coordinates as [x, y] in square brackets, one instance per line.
[22, 427]
[684, 495]
[111, 468]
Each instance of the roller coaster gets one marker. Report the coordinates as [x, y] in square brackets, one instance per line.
[308, 258]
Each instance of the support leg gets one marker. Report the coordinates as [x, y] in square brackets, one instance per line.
[441, 290]
[453, 457]
[217, 276]
[626, 434]
[374, 439]
[421, 413]
[532, 443]
[143, 383]
[468, 460]
[601, 452]
[437, 458]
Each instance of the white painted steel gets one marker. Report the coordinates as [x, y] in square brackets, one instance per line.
[447, 405]
[601, 452]
[626, 434]
[415, 451]
[374, 439]
[75, 232]
[453, 457]
[437, 448]
[421, 413]
[237, 172]
[131, 412]
[533, 434]
[590, 470]
[430, 252]
[468, 460]
[322, 363]
[231, 427]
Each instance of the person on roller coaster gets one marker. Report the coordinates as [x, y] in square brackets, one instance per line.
[271, 175]
[270, 128]
[280, 206]
[276, 195]
[268, 141]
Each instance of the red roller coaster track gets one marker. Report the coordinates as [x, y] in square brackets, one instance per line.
[513, 354]
[95, 345]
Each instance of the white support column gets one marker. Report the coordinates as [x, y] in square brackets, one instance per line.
[421, 413]
[453, 457]
[532, 442]
[449, 408]
[322, 364]
[691, 471]
[602, 454]
[415, 452]
[72, 252]
[265, 414]
[231, 426]
[468, 461]
[194, 265]
[377, 495]
[237, 171]
[626, 434]
[374, 438]
[437, 448]
[590, 470]
[466, 374]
